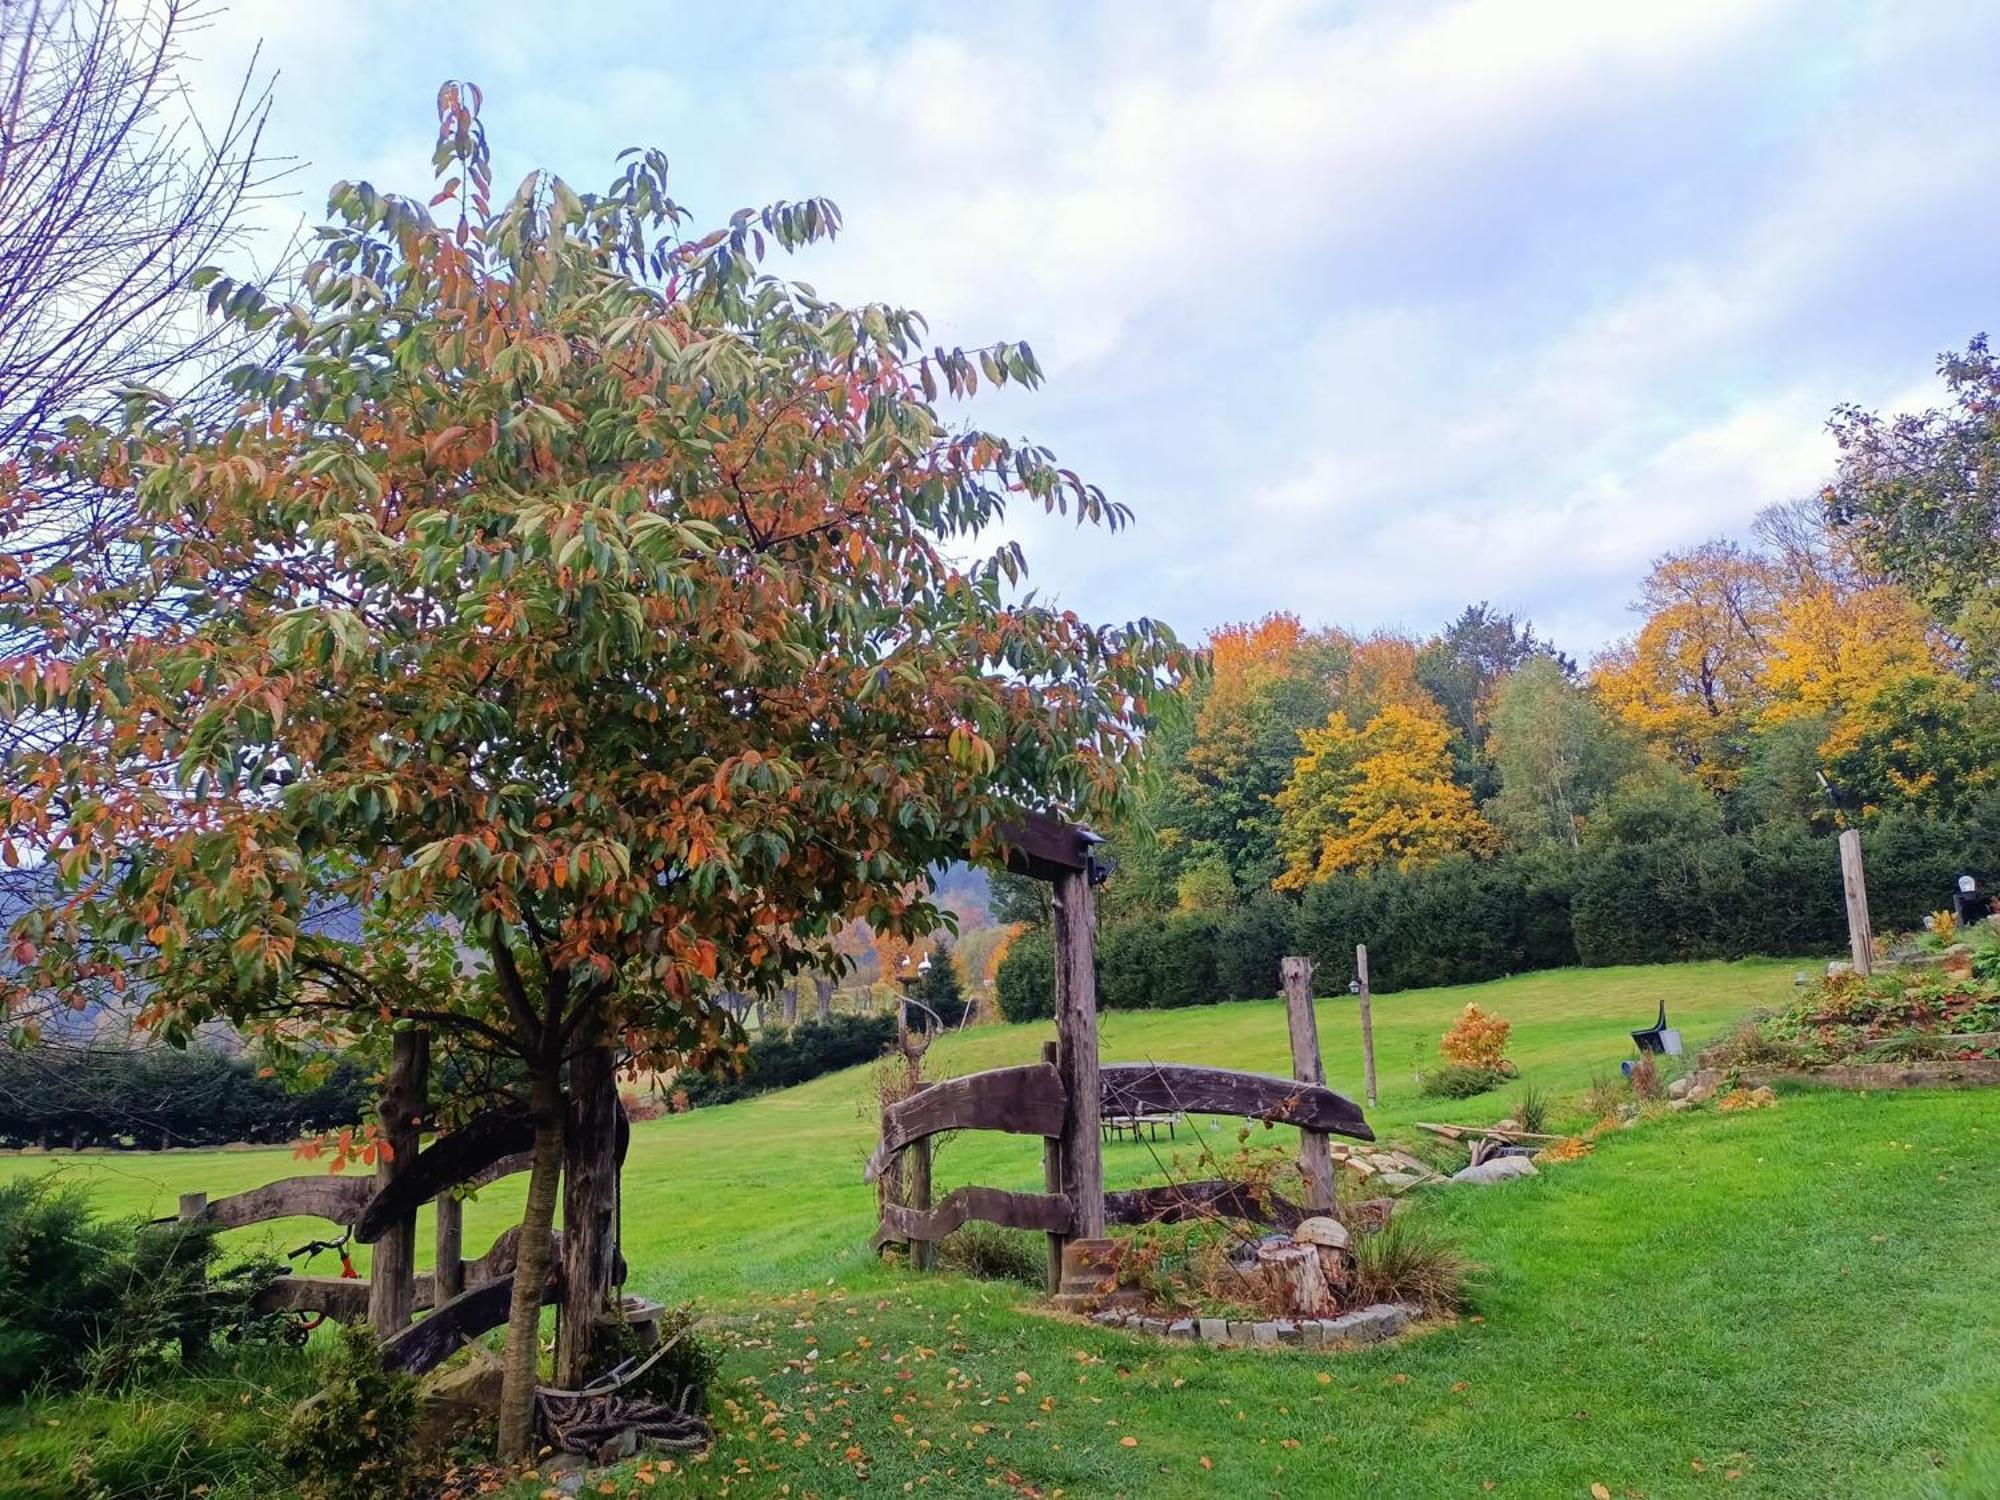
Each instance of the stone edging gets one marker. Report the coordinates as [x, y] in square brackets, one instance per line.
[1367, 1325]
[1971, 1072]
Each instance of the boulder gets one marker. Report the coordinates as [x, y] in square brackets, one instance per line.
[1678, 1089]
[459, 1400]
[1508, 1125]
[1499, 1169]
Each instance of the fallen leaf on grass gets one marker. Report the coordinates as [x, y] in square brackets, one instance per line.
[1599, 1492]
[1128, 1442]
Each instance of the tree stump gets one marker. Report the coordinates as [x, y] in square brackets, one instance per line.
[1296, 1273]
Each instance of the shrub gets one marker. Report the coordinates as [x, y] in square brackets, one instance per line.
[1603, 1096]
[355, 1440]
[1455, 1081]
[780, 1059]
[682, 1375]
[1251, 941]
[1532, 1109]
[990, 1252]
[1025, 984]
[60, 1280]
[1409, 1261]
[1646, 1081]
[1477, 1040]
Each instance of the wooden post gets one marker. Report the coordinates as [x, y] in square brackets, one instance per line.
[823, 992]
[590, 1206]
[1076, 1055]
[392, 1274]
[1367, 1020]
[1315, 1158]
[1052, 1183]
[918, 1178]
[1854, 881]
[193, 1206]
[448, 1279]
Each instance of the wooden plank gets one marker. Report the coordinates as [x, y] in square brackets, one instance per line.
[343, 1298]
[499, 1258]
[1075, 920]
[1048, 1212]
[1027, 1100]
[1854, 885]
[1142, 1088]
[494, 1144]
[337, 1199]
[426, 1344]
[405, 1096]
[1045, 847]
[1209, 1199]
[450, 1259]
[917, 1178]
[1315, 1159]
[1052, 1184]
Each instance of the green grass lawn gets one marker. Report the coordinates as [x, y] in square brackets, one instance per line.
[1780, 1302]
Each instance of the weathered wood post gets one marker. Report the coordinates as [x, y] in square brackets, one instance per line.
[590, 1205]
[448, 1280]
[1854, 881]
[1085, 1250]
[1315, 1155]
[918, 1181]
[823, 993]
[1052, 1183]
[1367, 1019]
[392, 1273]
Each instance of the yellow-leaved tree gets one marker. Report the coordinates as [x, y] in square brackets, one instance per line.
[1381, 795]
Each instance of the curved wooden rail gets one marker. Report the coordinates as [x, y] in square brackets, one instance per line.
[1177, 1088]
[1215, 1197]
[339, 1199]
[491, 1145]
[1024, 1101]
[431, 1341]
[1048, 1212]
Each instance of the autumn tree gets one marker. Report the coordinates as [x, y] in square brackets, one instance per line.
[1691, 681]
[568, 585]
[1920, 493]
[1380, 795]
[1556, 752]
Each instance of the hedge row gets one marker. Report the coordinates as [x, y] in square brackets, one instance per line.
[1463, 921]
[779, 1059]
[159, 1096]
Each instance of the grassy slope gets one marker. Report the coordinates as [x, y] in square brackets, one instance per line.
[1707, 1289]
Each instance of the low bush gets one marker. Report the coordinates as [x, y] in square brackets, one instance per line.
[781, 1059]
[1532, 1110]
[1456, 1081]
[1477, 1039]
[356, 1439]
[990, 1252]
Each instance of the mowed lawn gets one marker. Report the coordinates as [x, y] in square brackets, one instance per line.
[1794, 1301]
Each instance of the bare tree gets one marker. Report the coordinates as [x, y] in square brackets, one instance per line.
[113, 192]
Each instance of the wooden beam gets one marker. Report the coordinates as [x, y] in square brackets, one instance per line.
[1045, 847]
[405, 1097]
[1202, 1200]
[1854, 885]
[336, 1199]
[1052, 1185]
[1048, 1212]
[425, 1345]
[1027, 1100]
[494, 1144]
[1315, 1160]
[1168, 1088]
[1075, 917]
[450, 1272]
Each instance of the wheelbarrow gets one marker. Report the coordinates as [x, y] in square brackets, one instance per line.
[1659, 1038]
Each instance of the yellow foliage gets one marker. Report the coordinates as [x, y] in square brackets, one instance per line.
[1830, 647]
[1477, 1039]
[1381, 795]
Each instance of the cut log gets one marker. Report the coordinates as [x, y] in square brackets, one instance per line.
[1170, 1088]
[1047, 1212]
[1024, 1101]
[1294, 1272]
[1214, 1198]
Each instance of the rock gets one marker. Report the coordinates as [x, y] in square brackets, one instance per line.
[1398, 1181]
[1370, 1324]
[1312, 1332]
[1678, 1089]
[1157, 1327]
[1288, 1331]
[1680, 1106]
[1701, 1093]
[1763, 1096]
[458, 1401]
[1107, 1317]
[1499, 1169]
[1239, 1332]
[1181, 1328]
[1321, 1230]
[1508, 1125]
[1213, 1330]
[1264, 1333]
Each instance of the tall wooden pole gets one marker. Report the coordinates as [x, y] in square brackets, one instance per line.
[1052, 1183]
[1854, 882]
[1315, 1157]
[1367, 1020]
[1076, 1052]
[448, 1280]
[919, 1184]
[392, 1272]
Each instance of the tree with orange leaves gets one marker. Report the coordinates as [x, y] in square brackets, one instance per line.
[569, 585]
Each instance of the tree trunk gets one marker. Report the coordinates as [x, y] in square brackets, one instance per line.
[521, 1368]
[792, 1003]
[590, 1209]
[392, 1272]
[823, 988]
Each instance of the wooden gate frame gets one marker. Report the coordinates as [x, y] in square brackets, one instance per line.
[1062, 1098]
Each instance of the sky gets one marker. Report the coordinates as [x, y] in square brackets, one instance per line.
[1368, 310]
